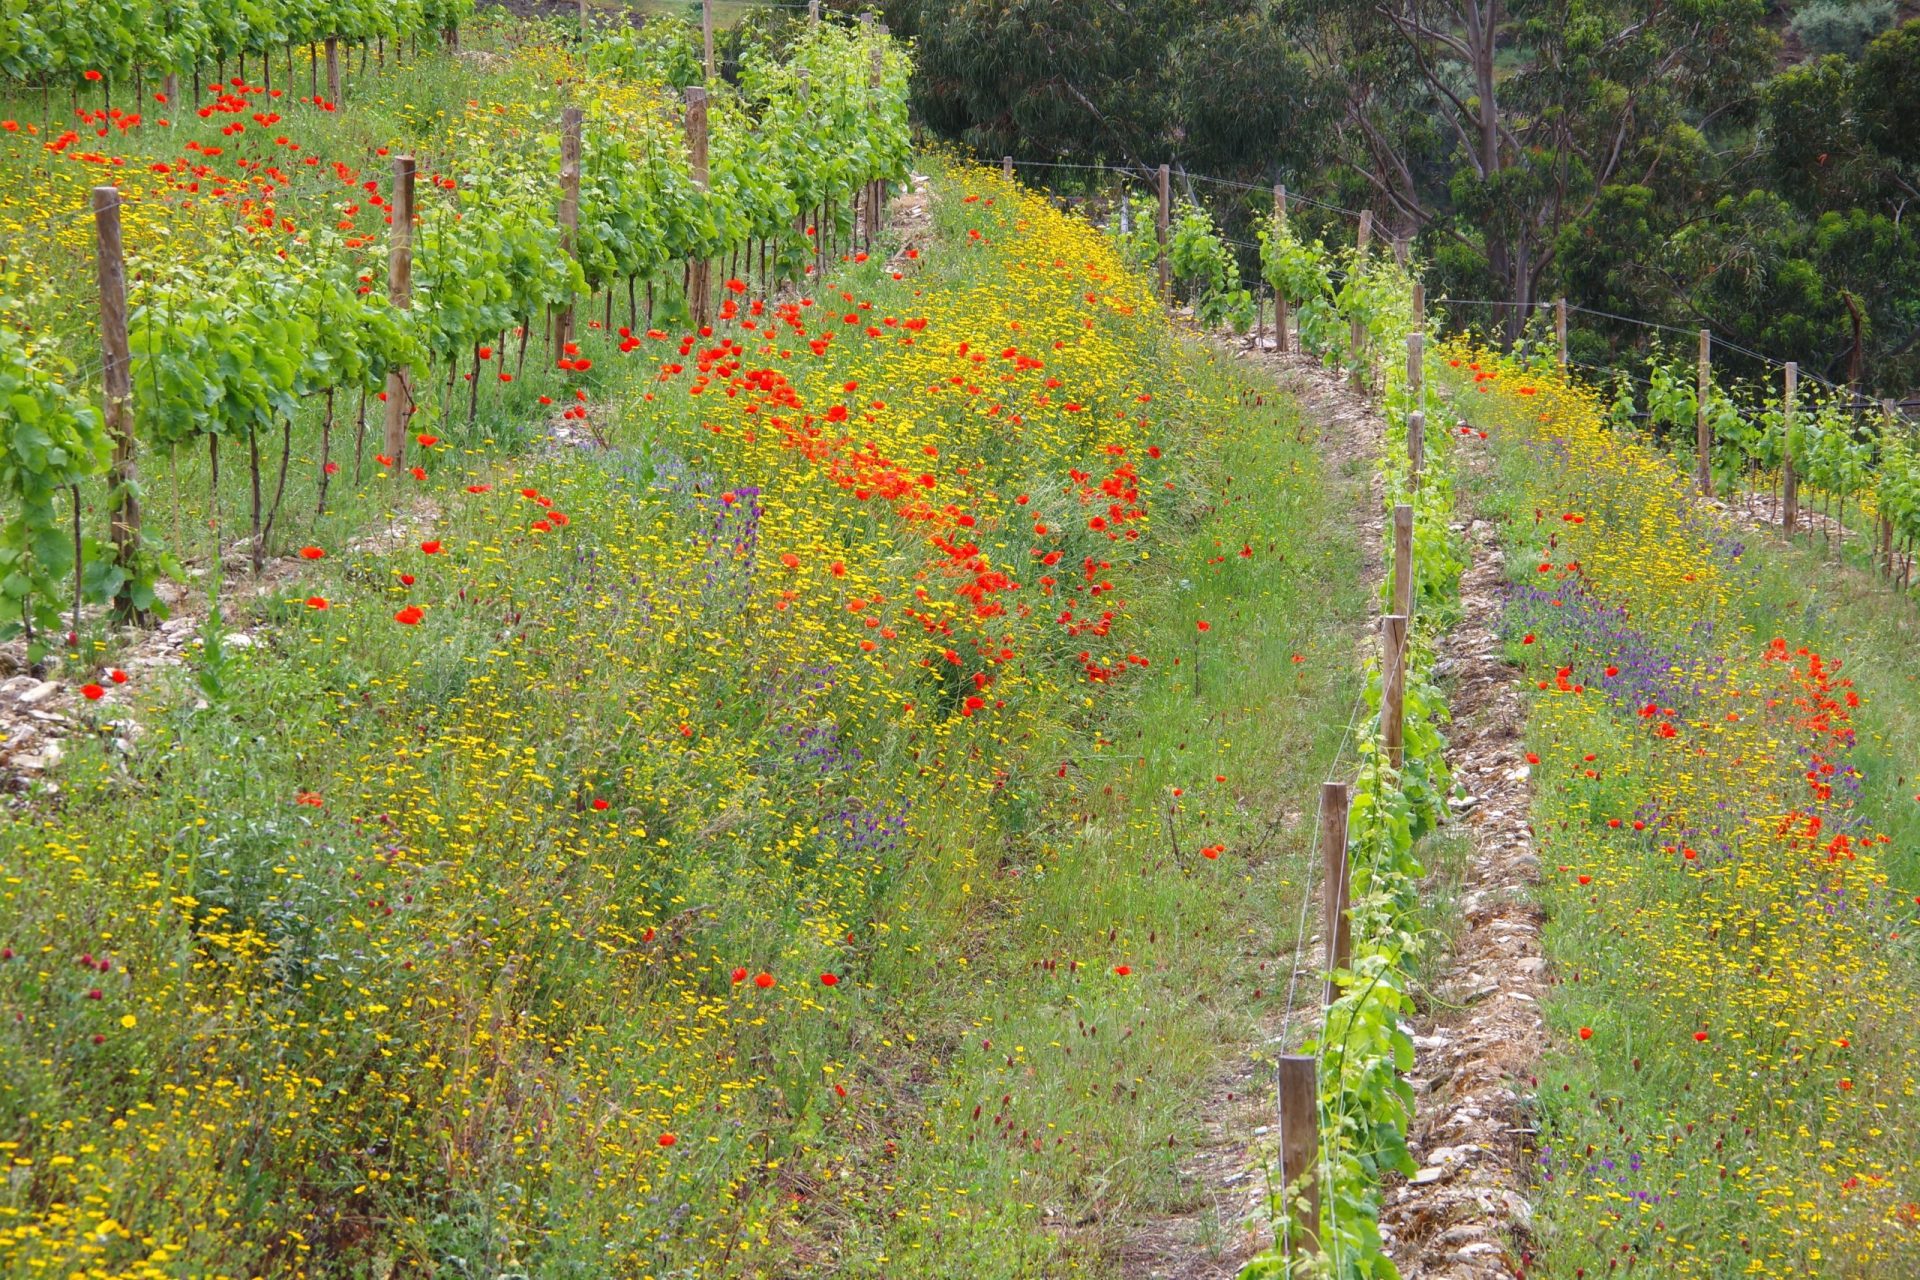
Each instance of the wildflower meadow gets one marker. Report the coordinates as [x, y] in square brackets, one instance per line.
[613, 662]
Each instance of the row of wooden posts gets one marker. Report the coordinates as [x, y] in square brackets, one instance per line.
[1299, 1084]
[125, 516]
[1703, 431]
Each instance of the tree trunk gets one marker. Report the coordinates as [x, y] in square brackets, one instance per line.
[326, 455]
[473, 392]
[280, 485]
[360, 436]
[253, 465]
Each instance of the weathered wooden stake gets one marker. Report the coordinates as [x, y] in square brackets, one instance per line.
[1279, 297]
[333, 69]
[1417, 365]
[569, 218]
[1162, 225]
[116, 361]
[813, 12]
[706, 36]
[876, 73]
[1300, 1150]
[1416, 449]
[1393, 687]
[1888, 409]
[1403, 559]
[1702, 433]
[699, 292]
[1336, 878]
[1357, 342]
[400, 294]
[1790, 479]
[1560, 329]
[1006, 167]
[1420, 306]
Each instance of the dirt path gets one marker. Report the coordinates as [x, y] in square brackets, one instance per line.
[1465, 1214]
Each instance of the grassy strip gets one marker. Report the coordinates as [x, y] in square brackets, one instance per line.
[722, 851]
[1723, 793]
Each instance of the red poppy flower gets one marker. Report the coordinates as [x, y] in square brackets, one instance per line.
[763, 981]
[410, 616]
[92, 692]
[1122, 970]
[116, 675]
[311, 553]
[431, 547]
[1700, 1036]
[667, 1139]
[1586, 1033]
[829, 979]
[739, 976]
[316, 602]
[599, 804]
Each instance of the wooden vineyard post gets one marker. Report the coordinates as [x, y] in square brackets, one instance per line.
[1403, 559]
[1300, 1150]
[400, 294]
[1420, 306]
[1337, 878]
[1393, 687]
[1164, 222]
[583, 21]
[1702, 433]
[1416, 448]
[1279, 294]
[1357, 339]
[706, 36]
[116, 370]
[1790, 475]
[569, 217]
[1417, 366]
[699, 293]
[1006, 167]
[813, 13]
[333, 69]
[1889, 411]
[876, 69]
[1560, 330]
